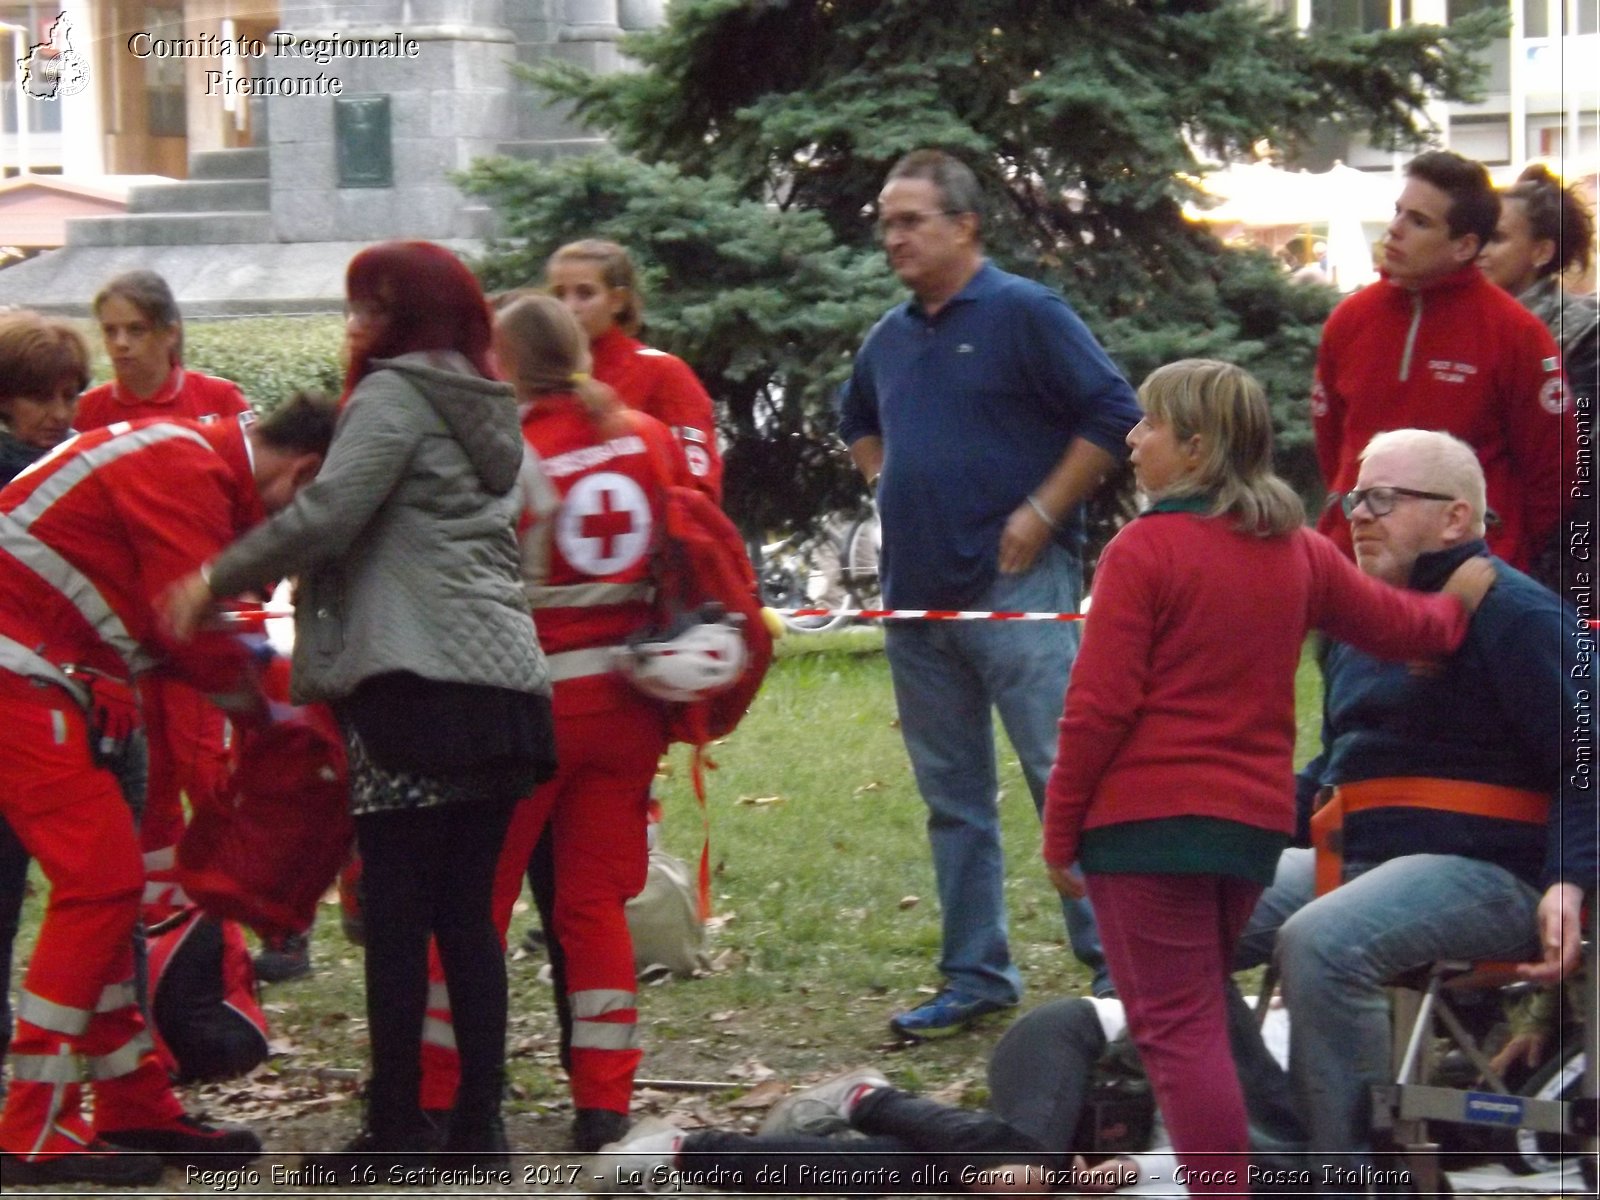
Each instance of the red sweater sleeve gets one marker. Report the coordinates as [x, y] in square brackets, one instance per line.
[1110, 679]
[683, 403]
[1384, 621]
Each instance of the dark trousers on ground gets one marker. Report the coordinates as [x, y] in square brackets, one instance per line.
[1039, 1077]
[913, 1145]
[430, 871]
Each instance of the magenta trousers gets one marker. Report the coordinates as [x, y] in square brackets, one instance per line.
[1169, 942]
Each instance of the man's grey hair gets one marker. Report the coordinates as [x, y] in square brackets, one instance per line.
[1437, 462]
[958, 186]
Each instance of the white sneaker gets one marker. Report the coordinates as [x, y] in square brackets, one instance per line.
[823, 1109]
[641, 1162]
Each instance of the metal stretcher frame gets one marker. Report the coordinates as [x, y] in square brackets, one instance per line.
[1401, 1110]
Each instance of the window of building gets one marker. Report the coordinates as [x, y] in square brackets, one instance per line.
[1350, 16]
[166, 106]
[1456, 9]
[44, 116]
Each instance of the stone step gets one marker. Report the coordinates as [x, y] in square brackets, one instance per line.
[244, 162]
[201, 195]
[171, 229]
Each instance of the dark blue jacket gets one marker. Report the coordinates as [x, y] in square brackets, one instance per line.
[1513, 706]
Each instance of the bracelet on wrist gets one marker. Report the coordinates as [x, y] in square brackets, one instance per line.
[1044, 516]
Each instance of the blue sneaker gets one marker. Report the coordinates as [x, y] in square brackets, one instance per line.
[948, 1012]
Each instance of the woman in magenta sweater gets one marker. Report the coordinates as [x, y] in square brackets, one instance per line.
[1173, 783]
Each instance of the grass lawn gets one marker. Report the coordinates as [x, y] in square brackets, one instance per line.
[826, 922]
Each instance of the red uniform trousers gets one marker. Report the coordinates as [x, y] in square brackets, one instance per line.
[190, 754]
[77, 1012]
[595, 807]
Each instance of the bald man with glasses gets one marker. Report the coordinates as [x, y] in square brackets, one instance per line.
[1464, 787]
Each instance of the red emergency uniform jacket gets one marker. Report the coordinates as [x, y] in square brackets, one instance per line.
[184, 393]
[91, 537]
[595, 503]
[1464, 357]
[664, 387]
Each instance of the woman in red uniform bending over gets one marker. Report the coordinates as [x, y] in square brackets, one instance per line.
[596, 281]
[594, 494]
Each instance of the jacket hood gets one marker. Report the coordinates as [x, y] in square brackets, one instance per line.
[480, 413]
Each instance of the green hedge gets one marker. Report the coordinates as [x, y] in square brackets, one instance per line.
[269, 357]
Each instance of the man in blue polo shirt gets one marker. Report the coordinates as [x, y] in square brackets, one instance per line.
[983, 412]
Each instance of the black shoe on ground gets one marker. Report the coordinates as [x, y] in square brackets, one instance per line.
[534, 940]
[103, 1164]
[597, 1127]
[285, 958]
[480, 1143]
[191, 1141]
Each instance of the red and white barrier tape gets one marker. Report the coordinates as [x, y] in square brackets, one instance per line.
[253, 616]
[261, 616]
[925, 614]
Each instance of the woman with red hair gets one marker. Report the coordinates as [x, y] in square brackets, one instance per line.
[412, 622]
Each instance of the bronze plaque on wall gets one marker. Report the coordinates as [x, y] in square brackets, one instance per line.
[363, 142]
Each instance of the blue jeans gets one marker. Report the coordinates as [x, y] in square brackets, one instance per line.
[1336, 952]
[949, 677]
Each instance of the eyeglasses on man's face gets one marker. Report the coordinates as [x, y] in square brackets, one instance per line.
[1380, 501]
[910, 222]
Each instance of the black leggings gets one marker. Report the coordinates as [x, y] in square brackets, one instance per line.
[431, 871]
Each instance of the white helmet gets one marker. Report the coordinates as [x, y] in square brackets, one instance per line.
[696, 661]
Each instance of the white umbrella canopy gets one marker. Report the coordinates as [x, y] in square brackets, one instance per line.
[1259, 194]
[1353, 206]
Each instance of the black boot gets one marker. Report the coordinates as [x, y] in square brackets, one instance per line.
[477, 1132]
[597, 1127]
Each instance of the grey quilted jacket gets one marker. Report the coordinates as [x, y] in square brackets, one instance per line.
[405, 543]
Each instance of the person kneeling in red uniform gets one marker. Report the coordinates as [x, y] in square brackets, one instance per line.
[90, 539]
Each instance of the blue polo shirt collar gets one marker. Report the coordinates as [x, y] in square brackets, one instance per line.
[986, 280]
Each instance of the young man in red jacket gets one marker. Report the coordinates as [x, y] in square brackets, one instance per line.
[90, 539]
[1434, 345]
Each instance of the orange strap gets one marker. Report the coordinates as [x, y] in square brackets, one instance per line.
[1447, 795]
[1327, 845]
[699, 763]
[1412, 791]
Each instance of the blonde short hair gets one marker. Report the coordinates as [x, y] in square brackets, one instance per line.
[1227, 408]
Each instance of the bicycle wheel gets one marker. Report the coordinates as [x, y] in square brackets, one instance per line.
[813, 579]
[862, 544]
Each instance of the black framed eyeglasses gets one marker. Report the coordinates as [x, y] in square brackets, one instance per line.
[910, 222]
[1380, 501]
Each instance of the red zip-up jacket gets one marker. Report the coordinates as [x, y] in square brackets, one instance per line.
[1462, 356]
[190, 395]
[663, 386]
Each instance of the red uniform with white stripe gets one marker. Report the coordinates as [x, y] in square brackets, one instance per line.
[90, 537]
[590, 531]
[190, 740]
[663, 386]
